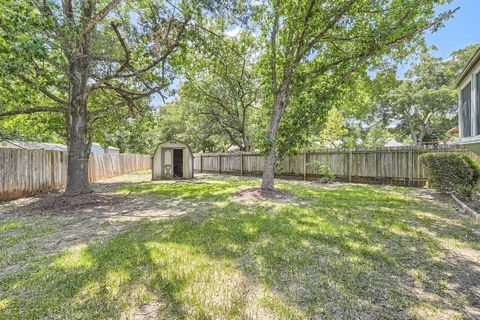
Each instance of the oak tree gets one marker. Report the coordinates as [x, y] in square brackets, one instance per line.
[221, 86]
[85, 58]
[323, 44]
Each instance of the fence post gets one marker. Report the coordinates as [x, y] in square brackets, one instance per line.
[410, 182]
[350, 156]
[219, 163]
[152, 165]
[241, 163]
[201, 163]
[52, 168]
[304, 166]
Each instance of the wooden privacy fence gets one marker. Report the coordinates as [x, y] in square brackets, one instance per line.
[24, 172]
[385, 165]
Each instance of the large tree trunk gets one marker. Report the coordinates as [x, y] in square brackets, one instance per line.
[424, 128]
[268, 180]
[78, 155]
[77, 143]
[413, 134]
[421, 136]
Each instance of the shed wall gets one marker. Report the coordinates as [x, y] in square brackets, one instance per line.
[187, 159]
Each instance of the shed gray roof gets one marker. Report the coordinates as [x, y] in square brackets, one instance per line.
[38, 145]
[96, 148]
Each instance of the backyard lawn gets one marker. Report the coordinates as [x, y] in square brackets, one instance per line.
[203, 250]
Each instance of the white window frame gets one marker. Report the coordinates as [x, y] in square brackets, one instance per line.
[474, 106]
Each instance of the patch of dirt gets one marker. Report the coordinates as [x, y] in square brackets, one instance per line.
[260, 194]
[145, 311]
[63, 204]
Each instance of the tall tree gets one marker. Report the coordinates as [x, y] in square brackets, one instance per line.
[73, 52]
[422, 106]
[415, 107]
[129, 134]
[175, 120]
[460, 58]
[376, 135]
[334, 132]
[222, 87]
[323, 44]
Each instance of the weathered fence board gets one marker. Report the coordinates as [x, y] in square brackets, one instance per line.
[24, 172]
[386, 165]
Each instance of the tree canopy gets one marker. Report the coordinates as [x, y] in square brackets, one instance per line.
[271, 75]
[89, 59]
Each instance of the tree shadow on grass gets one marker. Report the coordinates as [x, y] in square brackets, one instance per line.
[355, 252]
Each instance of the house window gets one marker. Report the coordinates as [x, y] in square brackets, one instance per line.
[466, 111]
[477, 102]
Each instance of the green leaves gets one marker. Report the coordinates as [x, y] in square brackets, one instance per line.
[334, 131]
[319, 53]
[222, 87]
[423, 105]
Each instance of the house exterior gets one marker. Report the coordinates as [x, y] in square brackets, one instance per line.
[97, 148]
[468, 90]
[111, 150]
[171, 160]
[392, 142]
[12, 144]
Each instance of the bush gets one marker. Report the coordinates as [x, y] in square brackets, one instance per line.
[464, 190]
[324, 171]
[455, 172]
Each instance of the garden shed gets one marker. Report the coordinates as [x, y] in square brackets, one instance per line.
[172, 159]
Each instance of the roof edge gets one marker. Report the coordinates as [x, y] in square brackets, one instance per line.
[165, 141]
[15, 143]
[468, 68]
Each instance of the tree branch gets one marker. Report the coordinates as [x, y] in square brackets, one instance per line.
[46, 11]
[273, 40]
[118, 74]
[126, 60]
[213, 99]
[94, 114]
[302, 51]
[31, 110]
[42, 89]
[106, 59]
[135, 95]
[68, 10]
[99, 16]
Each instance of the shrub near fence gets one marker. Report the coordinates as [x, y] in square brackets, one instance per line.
[386, 165]
[24, 172]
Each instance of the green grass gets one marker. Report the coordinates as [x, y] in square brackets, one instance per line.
[349, 251]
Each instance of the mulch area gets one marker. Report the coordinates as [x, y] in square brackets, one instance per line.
[260, 194]
[64, 204]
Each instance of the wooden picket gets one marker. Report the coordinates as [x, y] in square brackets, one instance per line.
[24, 172]
[385, 165]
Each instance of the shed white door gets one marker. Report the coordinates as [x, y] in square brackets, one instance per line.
[167, 162]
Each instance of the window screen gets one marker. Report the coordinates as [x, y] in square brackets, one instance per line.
[477, 102]
[466, 111]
